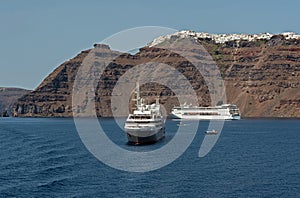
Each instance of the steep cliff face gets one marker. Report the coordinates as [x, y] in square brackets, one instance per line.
[8, 96]
[261, 77]
[53, 96]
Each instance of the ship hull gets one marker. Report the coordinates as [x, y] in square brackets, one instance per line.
[134, 138]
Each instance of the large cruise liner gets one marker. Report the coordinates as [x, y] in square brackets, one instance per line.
[146, 124]
[222, 112]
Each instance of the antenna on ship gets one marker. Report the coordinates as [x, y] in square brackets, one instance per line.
[137, 89]
[157, 101]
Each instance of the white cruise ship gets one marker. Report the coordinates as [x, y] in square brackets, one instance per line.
[146, 124]
[222, 112]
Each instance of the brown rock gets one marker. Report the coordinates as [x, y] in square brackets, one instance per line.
[261, 77]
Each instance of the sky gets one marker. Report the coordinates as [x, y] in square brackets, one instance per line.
[37, 36]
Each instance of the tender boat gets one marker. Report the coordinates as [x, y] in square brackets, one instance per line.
[212, 132]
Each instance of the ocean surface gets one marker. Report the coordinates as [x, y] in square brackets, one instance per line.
[252, 158]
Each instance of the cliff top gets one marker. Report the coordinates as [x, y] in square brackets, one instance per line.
[222, 38]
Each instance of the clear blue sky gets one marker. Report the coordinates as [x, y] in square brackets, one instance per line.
[36, 36]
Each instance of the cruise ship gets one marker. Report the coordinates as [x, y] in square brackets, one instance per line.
[222, 112]
[146, 124]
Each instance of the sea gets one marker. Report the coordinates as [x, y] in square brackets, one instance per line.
[45, 157]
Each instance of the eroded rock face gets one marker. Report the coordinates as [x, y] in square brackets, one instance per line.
[262, 77]
[8, 96]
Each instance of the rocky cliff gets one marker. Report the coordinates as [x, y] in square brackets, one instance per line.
[261, 77]
[8, 96]
[52, 98]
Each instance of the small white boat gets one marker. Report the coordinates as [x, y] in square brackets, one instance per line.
[212, 132]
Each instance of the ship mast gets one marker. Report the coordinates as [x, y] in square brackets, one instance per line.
[137, 91]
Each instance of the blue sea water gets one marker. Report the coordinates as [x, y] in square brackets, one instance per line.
[252, 158]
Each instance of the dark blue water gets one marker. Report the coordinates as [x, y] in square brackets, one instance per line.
[252, 158]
